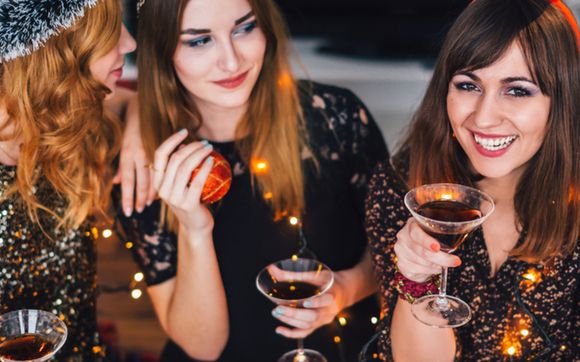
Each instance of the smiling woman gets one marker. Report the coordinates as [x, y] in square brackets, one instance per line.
[500, 114]
[498, 111]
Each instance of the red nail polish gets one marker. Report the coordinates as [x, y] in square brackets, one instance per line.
[435, 247]
[458, 262]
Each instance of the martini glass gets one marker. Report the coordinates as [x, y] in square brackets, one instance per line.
[30, 335]
[447, 212]
[291, 282]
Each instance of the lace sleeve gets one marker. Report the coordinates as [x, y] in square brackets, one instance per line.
[153, 247]
[385, 216]
[351, 135]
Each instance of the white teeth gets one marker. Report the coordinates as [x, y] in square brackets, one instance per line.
[494, 144]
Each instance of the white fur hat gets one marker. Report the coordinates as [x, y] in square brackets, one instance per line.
[25, 25]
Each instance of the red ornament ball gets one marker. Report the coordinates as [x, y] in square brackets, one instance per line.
[218, 181]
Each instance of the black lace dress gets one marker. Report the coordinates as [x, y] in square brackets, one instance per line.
[526, 312]
[56, 274]
[347, 144]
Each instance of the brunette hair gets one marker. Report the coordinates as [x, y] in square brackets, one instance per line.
[272, 129]
[550, 186]
[55, 106]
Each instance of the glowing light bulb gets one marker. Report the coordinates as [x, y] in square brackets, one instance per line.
[128, 245]
[337, 339]
[446, 196]
[525, 332]
[136, 293]
[259, 166]
[293, 220]
[138, 277]
[107, 233]
[294, 257]
[374, 320]
[342, 321]
[529, 276]
[511, 351]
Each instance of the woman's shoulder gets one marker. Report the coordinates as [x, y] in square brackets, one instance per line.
[336, 117]
[387, 181]
[327, 97]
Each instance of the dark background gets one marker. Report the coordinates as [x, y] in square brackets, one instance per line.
[372, 29]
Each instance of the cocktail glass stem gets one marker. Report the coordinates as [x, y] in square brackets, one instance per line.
[300, 357]
[441, 303]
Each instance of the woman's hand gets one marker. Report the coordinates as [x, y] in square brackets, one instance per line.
[419, 255]
[316, 312]
[134, 173]
[172, 173]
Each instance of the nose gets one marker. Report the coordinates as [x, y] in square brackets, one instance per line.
[126, 42]
[487, 113]
[229, 58]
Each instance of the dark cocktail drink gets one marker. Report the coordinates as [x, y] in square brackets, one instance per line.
[449, 211]
[26, 347]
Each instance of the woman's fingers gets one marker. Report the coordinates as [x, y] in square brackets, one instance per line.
[167, 189]
[419, 255]
[299, 318]
[320, 301]
[127, 179]
[162, 154]
[425, 247]
[294, 333]
[193, 194]
[143, 178]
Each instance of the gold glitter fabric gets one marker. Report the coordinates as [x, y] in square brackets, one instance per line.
[525, 312]
[56, 273]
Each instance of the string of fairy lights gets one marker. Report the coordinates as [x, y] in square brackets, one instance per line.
[511, 345]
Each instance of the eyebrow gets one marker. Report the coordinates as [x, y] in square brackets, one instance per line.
[192, 31]
[504, 81]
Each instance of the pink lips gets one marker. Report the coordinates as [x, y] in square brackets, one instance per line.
[118, 72]
[233, 82]
[486, 152]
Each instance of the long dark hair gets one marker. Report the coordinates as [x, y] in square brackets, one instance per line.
[550, 186]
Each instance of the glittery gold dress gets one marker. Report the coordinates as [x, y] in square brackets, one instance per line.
[56, 274]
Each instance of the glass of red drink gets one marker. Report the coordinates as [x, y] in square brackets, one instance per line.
[447, 212]
[30, 335]
[291, 282]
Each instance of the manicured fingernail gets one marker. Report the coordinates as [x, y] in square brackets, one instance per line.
[204, 142]
[278, 331]
[139, 210]
[435, 247]
[209, 146]
[278, 312]
[149, 202]
[457, 262]
[209, 160]
[183, 131]
[128, 211]
[307, 304]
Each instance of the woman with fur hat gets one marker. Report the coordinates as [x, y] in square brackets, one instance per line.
[58, 62]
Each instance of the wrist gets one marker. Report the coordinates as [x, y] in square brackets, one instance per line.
[410, 290]
[197, 236]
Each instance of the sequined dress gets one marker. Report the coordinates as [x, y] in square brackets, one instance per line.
[526, 312]
[57, 275]
[347, 144]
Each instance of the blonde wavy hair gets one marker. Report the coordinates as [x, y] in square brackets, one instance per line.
[55, 107]
[272, 129]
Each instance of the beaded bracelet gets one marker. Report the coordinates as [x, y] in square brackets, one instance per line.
[410, 290]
